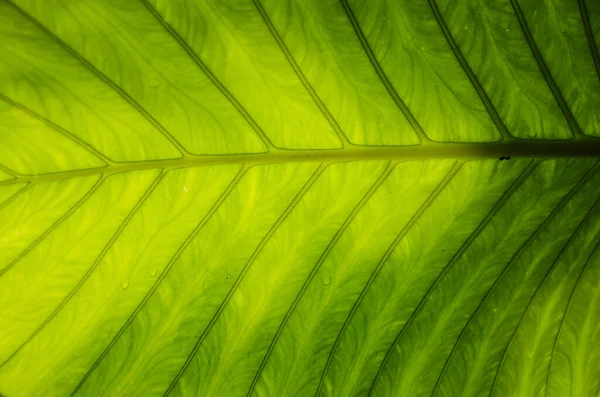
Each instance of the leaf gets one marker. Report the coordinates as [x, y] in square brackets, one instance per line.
[299, 198]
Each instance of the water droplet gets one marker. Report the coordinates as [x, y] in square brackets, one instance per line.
[185, 189]
[327, 280]
[124, 284]
[153, 272]
[154, 82]
[495, 309]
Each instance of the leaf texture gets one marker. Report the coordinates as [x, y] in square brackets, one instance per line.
[299, 198]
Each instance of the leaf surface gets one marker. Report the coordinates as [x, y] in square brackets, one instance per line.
[299, 198]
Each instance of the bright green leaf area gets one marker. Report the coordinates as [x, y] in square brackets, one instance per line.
[300, 198]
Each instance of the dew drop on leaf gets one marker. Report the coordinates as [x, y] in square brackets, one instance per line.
[153, 272]
[124, 284]
[154, 82]
[327, 280]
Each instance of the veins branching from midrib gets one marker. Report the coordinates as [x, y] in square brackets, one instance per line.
[382, 75]
[465, 246]
[414, 219]
[305, 83]
[226, 193]
[540, 149]
[558, 96]
[374, 187]
[102, 77]
[581, 146]
[224, 303]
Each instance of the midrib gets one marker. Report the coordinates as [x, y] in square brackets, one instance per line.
[586, 147]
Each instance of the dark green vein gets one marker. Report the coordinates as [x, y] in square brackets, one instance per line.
[564, 107]
[523, 246]
[307, 86]
[216, 82]
[53, 226]
[413, 220]
[491, 109]
[316, 268]
[69, 135]
[382, 75]
[510, 342]
[93, 267]
[16, 194]
[482, 225]
[562, 320]
[585, 18]
[234, 182]
[10, 172]
[88, 65]
[318, 172]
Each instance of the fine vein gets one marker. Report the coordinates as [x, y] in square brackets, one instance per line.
[9, 171]
[69, 135]
[105, 250]
[16, 194]
[316, 268]
[564, 316]
[550, 269]
[417, 215]
[382, 75]
[234, 182]
[88, 65]
[523, 246]
[564, 107]
[587, 25]
[196, 59]
[482, 225]
[242, 274]
[54, 225]
[288, 55]
[469, 72]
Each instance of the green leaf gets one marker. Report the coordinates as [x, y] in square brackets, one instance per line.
[299, 198]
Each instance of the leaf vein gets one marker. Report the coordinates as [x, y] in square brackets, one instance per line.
[523, 246]
[69, 135]
[234, 182]
[493, 211]
[307, 86]
[440, 187]
[316, 268]
[586, 147]
[318, 172]
[564, 248]
[491, 109]
[585, 18]
[564, 107]
[91, 269]
[209, 74]
[15, 195]
[564, 315]
[53, 226]
[382, 75]
[109, 82]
